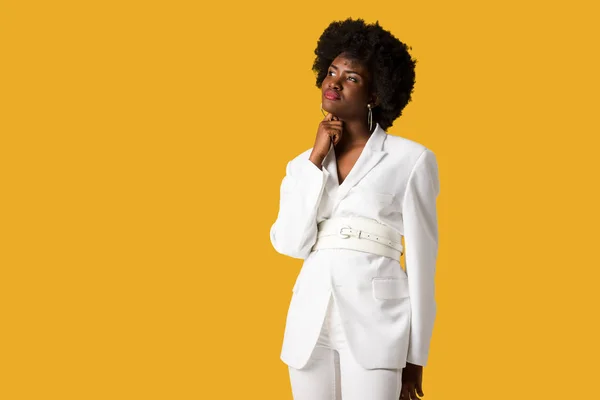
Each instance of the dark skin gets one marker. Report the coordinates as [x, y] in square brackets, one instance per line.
[347, 123]
[347, 127]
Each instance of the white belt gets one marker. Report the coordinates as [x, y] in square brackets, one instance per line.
[359, 233]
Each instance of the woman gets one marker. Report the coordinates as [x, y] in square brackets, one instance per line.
[359, 326]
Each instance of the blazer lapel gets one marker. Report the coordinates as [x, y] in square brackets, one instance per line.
[370, 156]
[330, 164]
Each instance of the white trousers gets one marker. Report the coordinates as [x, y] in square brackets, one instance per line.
[332, 373]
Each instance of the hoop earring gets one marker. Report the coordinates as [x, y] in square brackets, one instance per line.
[370, 118]
[322, 112]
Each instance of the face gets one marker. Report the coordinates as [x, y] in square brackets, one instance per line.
[349, 80]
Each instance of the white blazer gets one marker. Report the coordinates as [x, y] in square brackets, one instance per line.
[387, 314]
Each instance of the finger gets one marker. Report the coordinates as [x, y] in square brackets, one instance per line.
[404, 392]
[334, 130]
[333, 123]
[413, 393]
[336, 139]
[328, 117]
[332, 138]
[420, 389]
[335, 136]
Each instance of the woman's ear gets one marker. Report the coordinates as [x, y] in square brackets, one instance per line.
[374, 102]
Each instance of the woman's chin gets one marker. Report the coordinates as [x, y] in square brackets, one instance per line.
[330, 109]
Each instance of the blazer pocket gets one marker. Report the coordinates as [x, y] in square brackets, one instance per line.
[385, 288]
[373, 196]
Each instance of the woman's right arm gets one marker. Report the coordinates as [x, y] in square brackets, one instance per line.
[295, 229]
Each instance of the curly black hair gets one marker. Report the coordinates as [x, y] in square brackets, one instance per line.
[391, 66]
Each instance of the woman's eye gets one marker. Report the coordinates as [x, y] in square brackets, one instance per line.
[353, 79]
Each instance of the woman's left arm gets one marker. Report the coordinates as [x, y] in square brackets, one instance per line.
[421, 245]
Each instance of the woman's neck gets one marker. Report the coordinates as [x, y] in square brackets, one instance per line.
[354, 133]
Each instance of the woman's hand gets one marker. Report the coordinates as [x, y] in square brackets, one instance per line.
[330, 130]
[412, 382]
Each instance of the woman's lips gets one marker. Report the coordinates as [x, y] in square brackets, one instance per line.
[331, 95]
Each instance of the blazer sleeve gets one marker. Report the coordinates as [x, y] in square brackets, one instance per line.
[421, 247]
[294, 232]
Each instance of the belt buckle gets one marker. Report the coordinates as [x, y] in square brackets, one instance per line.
[344, 235]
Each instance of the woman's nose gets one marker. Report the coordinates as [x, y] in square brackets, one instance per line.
[334, 83]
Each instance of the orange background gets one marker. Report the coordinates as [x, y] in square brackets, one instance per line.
[142, 148]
